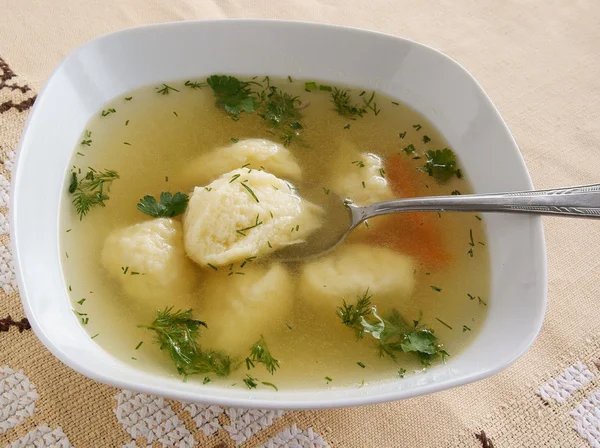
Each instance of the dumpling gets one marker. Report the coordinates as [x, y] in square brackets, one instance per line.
[245, 213]
[149, 261]
[255, 153]
[239, 308]
[350, 270]
[361, 177]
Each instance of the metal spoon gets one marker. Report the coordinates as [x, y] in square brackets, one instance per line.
[342, 217]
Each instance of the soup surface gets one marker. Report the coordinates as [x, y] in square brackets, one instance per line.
[401, 294]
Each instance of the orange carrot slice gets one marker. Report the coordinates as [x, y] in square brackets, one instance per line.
[417, 233]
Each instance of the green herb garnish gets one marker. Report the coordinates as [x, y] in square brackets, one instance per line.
[166, 89]
[410, 149]
[266, 383]
[168, 206]
[250, 382]
[426, 139]
[259, 353]
[249, 191]
[352, 315]
[441, 164]
[87, 140]
[280, 112]
[344, 106]
[443, 323]
[232, 95]
[361, 365]
[195, 85]
[177, 333]
[393, 334]
[401, 372]
[435, 288]
[89, 191]
[328, 379]
[106, 112]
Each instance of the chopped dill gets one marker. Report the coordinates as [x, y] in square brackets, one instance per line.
[89, 191]
[260, 354]
[443, 323]
[165, 89]
[250, 382]
[195, 85]
[250, 191]
[266, 383]
[109, 111]
[177, 333]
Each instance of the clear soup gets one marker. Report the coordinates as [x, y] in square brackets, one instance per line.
[361, 145]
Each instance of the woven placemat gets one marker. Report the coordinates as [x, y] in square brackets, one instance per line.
[549, 398]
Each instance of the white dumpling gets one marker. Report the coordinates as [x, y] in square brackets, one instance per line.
[149, 261]
[350, 270]
[360, 177]
[258, 154]
[245, 213]
[238, 309]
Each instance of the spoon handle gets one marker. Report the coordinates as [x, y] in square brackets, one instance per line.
[582, 201]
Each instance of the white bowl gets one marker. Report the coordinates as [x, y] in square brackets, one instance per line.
[430, 82]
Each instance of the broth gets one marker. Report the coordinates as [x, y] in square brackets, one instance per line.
[149, 139]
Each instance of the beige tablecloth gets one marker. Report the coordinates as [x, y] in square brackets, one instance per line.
[540, 63]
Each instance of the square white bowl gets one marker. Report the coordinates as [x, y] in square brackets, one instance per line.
[425, 79]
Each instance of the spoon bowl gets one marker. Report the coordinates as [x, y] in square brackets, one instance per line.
[342, 216]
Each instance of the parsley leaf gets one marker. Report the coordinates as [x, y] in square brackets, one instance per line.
[423, 341]
[232, 94]
[170, 205]
[441, 164]
[393, 334]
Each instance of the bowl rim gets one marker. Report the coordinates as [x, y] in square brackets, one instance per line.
[340, 402]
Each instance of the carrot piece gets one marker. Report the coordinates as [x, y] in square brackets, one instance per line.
[415, 233]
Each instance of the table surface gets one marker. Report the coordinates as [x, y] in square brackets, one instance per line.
[539, 61]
